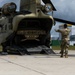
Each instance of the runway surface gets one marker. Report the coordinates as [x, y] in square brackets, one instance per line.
[38, 64]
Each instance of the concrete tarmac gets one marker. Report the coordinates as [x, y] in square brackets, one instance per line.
[38, 64]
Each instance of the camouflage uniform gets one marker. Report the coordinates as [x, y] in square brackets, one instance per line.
[64, 40]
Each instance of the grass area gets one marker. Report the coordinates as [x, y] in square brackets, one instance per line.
[58, 47]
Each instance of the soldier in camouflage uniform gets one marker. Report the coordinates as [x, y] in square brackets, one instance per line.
[64, 40]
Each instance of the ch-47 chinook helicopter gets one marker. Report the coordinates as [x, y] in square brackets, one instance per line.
[30, 27]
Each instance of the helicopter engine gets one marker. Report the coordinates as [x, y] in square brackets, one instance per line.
[8, 8]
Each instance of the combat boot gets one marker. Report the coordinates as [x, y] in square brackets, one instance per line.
[66, 54]
[61, 54]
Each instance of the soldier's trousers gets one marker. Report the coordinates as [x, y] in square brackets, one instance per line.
[64, 46]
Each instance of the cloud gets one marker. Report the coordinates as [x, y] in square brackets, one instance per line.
[53, 33]
[61, 0]
[65, 9]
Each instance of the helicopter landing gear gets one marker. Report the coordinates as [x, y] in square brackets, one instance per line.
[4, 50]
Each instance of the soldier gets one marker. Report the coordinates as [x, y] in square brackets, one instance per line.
[64, 40]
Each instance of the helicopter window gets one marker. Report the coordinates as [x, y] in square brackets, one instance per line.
[48, 7]
[12, 7]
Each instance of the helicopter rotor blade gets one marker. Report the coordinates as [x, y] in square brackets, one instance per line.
[46, 1]
[64, 21]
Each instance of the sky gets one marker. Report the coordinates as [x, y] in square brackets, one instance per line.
[65, 10]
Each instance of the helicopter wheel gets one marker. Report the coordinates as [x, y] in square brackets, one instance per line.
[4, 45]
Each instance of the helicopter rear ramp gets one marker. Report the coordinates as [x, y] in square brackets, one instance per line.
[41, 49]
[31, 50]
